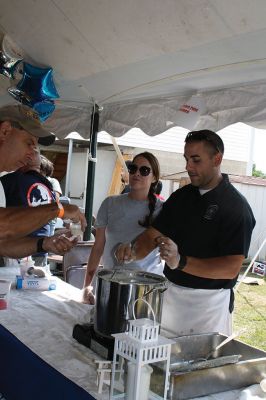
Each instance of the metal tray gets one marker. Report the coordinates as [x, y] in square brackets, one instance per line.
[249, 370]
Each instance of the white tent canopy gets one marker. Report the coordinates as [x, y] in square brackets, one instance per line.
[143, 60]
[218, 109]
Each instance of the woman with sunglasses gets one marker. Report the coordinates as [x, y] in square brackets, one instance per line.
[121, 218]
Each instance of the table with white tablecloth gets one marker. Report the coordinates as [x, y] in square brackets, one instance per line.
[38, 347]
[43, 321]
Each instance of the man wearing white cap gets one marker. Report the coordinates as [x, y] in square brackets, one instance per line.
[20, 133]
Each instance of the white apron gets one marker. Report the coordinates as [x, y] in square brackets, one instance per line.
[2, 196]
[189, 311]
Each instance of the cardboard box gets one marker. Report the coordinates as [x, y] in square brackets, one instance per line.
[5, 285]
[259, 268]
[24, 282]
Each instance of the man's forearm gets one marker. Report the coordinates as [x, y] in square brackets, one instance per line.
[226, 267]
[18, 248]
[138, 248]
[145, 243]
[16, 222]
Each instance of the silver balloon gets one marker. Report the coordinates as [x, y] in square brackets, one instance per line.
[20, 96]
[8, 66]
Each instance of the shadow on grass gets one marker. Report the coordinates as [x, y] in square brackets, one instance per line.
[252, 306]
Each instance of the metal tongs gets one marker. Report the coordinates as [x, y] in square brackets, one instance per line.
[202, 363]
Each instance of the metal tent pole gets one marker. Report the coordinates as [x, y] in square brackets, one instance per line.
[250, 265]
[91, 170]
[69, 159]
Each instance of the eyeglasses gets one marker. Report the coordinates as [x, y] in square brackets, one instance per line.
[208, 136]
[133, 168]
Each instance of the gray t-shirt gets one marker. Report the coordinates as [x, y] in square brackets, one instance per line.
[120, 216]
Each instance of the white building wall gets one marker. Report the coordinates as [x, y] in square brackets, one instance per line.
[236, 140]
[103, 176]
[256, 196]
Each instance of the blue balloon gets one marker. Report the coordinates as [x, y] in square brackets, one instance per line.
[44, 109]
[37, 83]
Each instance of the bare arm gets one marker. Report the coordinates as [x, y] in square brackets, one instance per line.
[19, 248]
[226, 267]
[16, 222]
[143, 245]
[26, 246]
[146, 242]
[95, 256]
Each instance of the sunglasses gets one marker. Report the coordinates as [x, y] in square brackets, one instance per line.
[133, 168]
[200, 136]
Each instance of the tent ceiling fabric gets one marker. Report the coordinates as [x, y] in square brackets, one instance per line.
[222, 107]
[70, 117]
[147, 52]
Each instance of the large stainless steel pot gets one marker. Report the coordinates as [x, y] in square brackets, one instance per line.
[116, 292]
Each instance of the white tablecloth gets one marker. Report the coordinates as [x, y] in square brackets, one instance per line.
[44, 322]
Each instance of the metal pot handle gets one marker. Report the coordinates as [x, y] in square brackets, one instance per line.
[165, 286]
[161, 288]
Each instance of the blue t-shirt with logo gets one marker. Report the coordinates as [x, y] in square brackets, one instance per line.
[28, 189]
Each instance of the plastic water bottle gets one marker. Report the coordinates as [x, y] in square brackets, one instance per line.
[25, 265]
[75, 228]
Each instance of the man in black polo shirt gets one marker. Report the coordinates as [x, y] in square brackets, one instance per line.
[203, 232]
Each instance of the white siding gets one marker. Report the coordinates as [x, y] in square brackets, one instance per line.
[170, 141]
[236, 140]
[256, 196]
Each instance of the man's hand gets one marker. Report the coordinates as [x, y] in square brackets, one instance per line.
[124, 253]
[87, 295]
[59, 244]
[73, 212]
[139, 248]
[168, 251]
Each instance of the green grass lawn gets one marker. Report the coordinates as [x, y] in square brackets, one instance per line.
[250, 313]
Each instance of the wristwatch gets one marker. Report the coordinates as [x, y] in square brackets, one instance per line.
[40, 249]
[182, 262]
